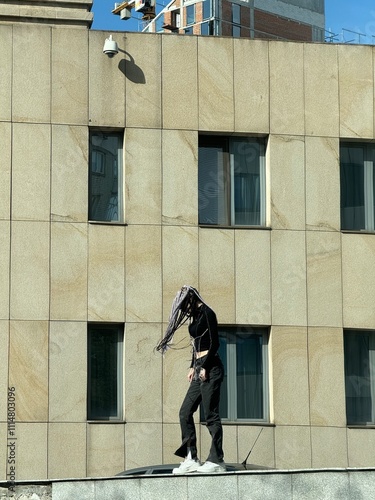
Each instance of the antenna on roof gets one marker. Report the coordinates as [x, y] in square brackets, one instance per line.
[244, 462]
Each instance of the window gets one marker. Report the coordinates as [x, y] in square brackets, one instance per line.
[359, 355]
[357, 186]
[236, 20]
[231, 181]
[206, 9]
[207, 28]
[244, 392]
[236, 31]
[105, 176]
[104, 398]
[190, 14]
[176, 18]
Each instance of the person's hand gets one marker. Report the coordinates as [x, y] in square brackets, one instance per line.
[202, 374]
[190, 374]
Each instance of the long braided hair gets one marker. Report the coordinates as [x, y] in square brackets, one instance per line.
[183, 308]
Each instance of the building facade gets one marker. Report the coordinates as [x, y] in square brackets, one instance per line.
[280, 19]
[118, 186]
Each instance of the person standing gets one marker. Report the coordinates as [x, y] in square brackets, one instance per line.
[205, 376]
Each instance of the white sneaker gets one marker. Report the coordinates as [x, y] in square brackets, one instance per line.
[188, 465]
[209, 467]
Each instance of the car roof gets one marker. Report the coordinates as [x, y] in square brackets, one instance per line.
[167, 469]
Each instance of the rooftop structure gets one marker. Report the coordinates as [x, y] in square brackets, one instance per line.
[73, 13]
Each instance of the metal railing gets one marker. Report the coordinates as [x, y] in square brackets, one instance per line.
[349, 36]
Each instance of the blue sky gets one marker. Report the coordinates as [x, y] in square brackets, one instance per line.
[358, 16]
[354, 15]
[105, 20]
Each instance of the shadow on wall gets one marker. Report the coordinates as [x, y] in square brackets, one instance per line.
[130, 69]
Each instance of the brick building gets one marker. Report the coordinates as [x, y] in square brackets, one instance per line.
[271, 19]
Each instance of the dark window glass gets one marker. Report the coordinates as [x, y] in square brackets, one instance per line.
[231, 181]
[359, 354]
[357, 181]
[104, 176]
[243, 351]
[206, 28]
[236, 13]
[249, 376]
[224, 385]
[190, 14]
[206, 9]
[236, 31]
[104, 372]
[236, 20]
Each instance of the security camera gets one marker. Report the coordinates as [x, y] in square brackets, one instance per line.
[110, 47]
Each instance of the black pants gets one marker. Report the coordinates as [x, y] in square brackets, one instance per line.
[207, 393]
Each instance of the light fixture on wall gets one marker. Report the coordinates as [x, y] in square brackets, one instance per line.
[110, 47]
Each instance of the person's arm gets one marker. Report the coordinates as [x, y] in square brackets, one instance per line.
[214, 337]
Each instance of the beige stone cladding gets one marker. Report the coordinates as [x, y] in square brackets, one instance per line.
[299, 275]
